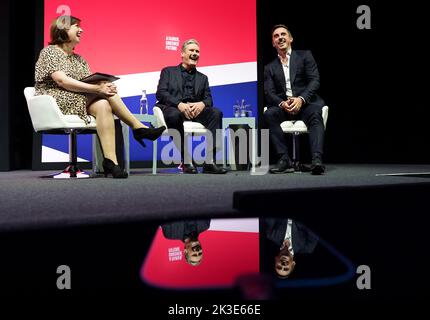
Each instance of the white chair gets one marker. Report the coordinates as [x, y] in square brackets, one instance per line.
[190, 127]
[46, 117]
[296, 128]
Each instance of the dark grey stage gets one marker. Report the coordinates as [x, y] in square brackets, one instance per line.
[28, 201]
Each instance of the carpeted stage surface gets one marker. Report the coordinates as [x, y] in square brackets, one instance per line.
[29, 201]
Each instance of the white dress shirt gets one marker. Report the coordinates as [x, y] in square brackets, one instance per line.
[289, 235]
[286, 68]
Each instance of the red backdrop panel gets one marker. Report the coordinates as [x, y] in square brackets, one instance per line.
[129, 36]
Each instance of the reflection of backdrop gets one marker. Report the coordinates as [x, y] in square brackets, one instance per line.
[139, 38]
[230, 250]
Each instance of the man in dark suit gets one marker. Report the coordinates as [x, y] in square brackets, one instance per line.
[188, 232]
[290, 85]
[290, 238]
[183, 93]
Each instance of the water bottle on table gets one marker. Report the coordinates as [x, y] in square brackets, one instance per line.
[236, 109]
[248, 110]
[243, 108]
[143, 103]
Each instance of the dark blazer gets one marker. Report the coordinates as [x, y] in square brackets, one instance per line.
[170, 88]
[179, 230]
[304, 78]
[304, 240]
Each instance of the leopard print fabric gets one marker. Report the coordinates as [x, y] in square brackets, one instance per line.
[52, 59]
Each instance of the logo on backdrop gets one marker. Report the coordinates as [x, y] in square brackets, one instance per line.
[175, 254]
[172, 43]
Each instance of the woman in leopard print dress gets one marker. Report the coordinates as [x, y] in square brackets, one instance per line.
[58, 71]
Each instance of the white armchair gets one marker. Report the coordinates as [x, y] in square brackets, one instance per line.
[296, 128]
[190, 127]
[46, 117]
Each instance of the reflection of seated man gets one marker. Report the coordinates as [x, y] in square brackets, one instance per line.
[290, 237]
[188, 232]
[284, 261]
[183, 93]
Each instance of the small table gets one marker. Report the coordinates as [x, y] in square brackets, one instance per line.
[250, 121]
[143, 118]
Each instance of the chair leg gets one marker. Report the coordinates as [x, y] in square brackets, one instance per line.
[188, 158]
[72, 170]
[298, 167]
[154, 157]
[296, 152]
[73, 154]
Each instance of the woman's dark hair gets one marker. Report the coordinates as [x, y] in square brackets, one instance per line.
[59, 27]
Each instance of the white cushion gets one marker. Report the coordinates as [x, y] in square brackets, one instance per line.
[299, 126]
[190, 125]
[294, 126]
[75, 120]
[46, 115]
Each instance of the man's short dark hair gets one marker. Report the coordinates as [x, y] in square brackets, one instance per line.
[281, 26]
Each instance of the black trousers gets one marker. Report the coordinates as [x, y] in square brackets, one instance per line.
[210, 117]
[311, 115]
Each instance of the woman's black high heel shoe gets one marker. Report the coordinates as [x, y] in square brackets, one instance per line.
[110, 167]
[147, 133]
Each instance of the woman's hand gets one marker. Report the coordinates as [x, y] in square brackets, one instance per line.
[107, 89]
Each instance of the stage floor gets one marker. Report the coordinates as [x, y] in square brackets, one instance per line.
[30, 201]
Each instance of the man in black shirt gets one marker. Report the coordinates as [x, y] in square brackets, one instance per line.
[188, 232]
[183, 93]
